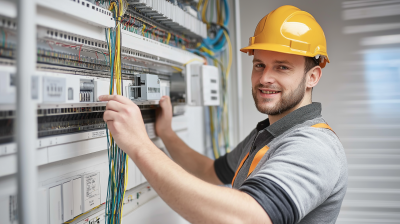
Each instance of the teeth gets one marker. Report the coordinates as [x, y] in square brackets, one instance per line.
[269, 92]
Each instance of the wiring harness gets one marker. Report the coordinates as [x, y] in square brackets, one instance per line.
[217, 51]
[118, 160]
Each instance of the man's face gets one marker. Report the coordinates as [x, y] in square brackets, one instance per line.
[278, 81]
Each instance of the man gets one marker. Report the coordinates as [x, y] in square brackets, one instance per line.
[290, 169]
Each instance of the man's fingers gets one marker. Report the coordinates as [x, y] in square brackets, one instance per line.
[110, 126]
[109, 115]
[118, 98]
[164, 101]
[114, 105]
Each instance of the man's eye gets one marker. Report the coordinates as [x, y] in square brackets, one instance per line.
[282, 67]
[259, 66]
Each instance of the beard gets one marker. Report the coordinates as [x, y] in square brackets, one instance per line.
[287, 101]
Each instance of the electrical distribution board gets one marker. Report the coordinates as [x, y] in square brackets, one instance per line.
[72, 71]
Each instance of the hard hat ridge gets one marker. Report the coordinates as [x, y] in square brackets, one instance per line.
[290, 30]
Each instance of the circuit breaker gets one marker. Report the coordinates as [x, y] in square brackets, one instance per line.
[203, 85]
[145, 87]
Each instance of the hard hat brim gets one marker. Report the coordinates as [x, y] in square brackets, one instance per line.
[282, 49]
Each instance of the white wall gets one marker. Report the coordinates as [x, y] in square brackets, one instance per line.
[360, 96]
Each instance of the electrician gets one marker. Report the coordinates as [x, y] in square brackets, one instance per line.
[290, 169]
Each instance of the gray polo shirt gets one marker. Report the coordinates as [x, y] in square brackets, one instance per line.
[303, 176]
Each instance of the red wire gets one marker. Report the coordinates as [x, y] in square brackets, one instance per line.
[96, 55]
[128, 20]
[148, 29]
[50, 45]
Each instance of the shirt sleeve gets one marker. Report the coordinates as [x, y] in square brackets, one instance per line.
[225, 166]
[298, 177]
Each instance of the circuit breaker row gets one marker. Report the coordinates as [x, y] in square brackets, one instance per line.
[73, 197]
[64, 88]
[168, 13]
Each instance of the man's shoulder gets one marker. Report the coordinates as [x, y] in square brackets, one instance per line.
[306, 138]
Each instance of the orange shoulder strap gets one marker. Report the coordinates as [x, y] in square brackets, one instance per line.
[254, 163]
[323, 125]
[240, 166]
[260, 154]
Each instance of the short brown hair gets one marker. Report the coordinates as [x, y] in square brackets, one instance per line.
[309, 64]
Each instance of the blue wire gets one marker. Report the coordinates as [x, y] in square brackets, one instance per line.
[227, 13]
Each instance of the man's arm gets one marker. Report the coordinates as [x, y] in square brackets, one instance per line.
[194, 199]
[195, 163]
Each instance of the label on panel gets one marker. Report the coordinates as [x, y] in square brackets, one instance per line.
[67, 201]
[55, 212]
[91, 191]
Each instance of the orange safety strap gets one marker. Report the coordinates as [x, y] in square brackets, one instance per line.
[260, 154]
[240, 166]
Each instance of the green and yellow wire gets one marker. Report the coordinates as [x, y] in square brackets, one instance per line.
[118, 160]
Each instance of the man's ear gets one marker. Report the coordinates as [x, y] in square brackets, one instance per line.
[314, 75]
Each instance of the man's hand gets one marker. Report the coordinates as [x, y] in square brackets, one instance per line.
[164, 117]
[125, 123]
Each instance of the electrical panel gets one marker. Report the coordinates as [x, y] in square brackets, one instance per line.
[204, 85]
[72, 71]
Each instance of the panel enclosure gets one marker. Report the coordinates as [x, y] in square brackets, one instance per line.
[72, 71]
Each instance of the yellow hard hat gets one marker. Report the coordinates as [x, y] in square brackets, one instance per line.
[289, 30]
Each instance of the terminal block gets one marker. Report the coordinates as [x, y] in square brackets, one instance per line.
[145, 87]
[86, 90]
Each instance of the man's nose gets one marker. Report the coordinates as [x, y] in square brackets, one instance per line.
[267, 76]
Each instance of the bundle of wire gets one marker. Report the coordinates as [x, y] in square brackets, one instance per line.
[118, 160]
[215, 50]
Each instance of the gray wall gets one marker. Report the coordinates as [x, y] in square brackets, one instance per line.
[360, 94]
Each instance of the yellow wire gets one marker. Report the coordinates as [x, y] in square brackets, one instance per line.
[83, 214]
[168, 38]
[203, 14]
[126, 182]
[214, 145]
[199, 4]
[207, 51]
[192, 60]
[118, 85]
[218, 12]
[228, 68]
[176, 68]
[144, 27]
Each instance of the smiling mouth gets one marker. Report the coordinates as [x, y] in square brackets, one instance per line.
[269, 92]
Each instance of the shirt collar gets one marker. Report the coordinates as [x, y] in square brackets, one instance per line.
[296, 117]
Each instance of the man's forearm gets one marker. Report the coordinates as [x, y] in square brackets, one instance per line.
[194, 199]
[192, 161]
